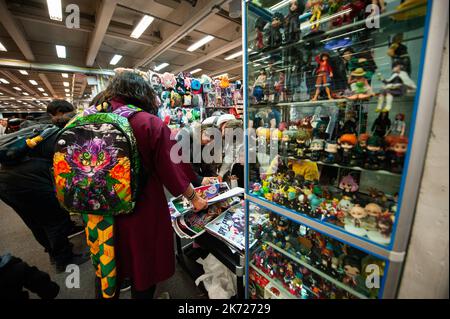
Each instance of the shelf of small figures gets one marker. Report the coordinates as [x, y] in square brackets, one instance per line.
[273, 282]
[318, 272]
[322, 35]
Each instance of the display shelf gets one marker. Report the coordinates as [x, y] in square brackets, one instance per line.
[272, 281]
[331, 230]
[335, 282]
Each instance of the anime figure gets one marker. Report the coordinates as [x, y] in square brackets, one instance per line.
[280, 87]
[320, 130]
[269, 86]
[399, 126]
[375, 153]
[398, 146]
[354, 224]
[281, 235]
[258, 86]
[347, 143]
[399, 53]
[324, 73]
[381, 125]
[352, 270]
[259, 28]
[275, 36]
[349, 126]
[316, 149]
[397, 85]
[359, 86]
[316, 11]
[360, 149]
[349, 187]
[373, 214]
[289, 137]
[343, 209]
[292, 22]
[315, 199]
[302, 139]
[331, 150]
[382, 234]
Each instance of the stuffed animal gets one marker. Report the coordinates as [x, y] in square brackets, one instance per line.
[168, 80]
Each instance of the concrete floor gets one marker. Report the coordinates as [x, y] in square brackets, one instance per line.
[16, 239]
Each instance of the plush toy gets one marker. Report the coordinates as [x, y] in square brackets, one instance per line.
[168, 80]
[180, 86]
[224, 82]
[206, 83]
[196, 86]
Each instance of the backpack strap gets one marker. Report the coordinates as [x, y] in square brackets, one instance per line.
[127, 111]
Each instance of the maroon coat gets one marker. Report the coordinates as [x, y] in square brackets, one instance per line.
[144, 239]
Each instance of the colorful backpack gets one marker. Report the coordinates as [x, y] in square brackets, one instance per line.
[96, 169]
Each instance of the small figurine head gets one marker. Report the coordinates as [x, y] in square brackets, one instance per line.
[317, 145]
[256, 187]
[348, 141]
[400, 117]
[302, 136]
[358, 73]
[362, 140]
[397, 144]
[348, 184]
[352, 266]
[277, 19]
[331, 147]
[385, 224]
[348, 53]
[398, 38]
[373, 210]
[324, 56]
[357, 212]
[321, 126]
[374, 143]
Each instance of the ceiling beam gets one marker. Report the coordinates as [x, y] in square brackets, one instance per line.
[102, 19]
[209, 9]
[223, 49]
[16, 96]
[47, 83]
[227, 69]
[12, 27]
[19, 82]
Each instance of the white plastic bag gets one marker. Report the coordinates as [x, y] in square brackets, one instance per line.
[218, 280]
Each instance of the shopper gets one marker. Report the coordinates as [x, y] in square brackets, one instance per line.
[27, 187]
[13, 125]
[144, 245]
[3, 125]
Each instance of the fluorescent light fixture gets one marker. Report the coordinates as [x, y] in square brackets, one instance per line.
[67, 90]
[33, 82]
[41, 89]
[142, 26]
[66, 84]
[279, 5]
[2, 47]
[44, 94]
[234, 55]
[195, 71]
[61, 51]
[1, 93]
[17, 88]
[4, 81]
[23, 72]
[200, 43]
[116, 58]
[54, 9]
[65, 75]
[68, 95]
[161, 66]
[25, 93]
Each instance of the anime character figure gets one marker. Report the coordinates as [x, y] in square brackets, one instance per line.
[320, 130]
[292, 22]
[302, 139]
[360, 149]
[316, 149]
[315, 199]
[359, 86]
[349, 187]
[259, 28]
[344, 206]
[399, 126]
[347, 142]
[280, 87]
[382, 234]
[353, 224]
[352, 270]
[375, 153]
[381, 125]
[275, 36]
[281, 235]
[289, 146]
[316, 11]
[399, 53]
[373, 215]
[398, 146]
[397, 85]
[324, 73]
[258, 86]
[331, 150]
[349, 125]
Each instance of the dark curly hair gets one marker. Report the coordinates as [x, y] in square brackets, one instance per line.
[133, 89]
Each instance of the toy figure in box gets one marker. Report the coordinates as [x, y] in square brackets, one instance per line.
[275, 36]
[398, 145]
[359, 86]
[302, 139]
[373, 214]
[320, 130]
[349, 187]
[292, 22]
[355, 220]
[347, 143]
[324, 73]
[399, 126]
[399, 53]
[259, 28]
[375, 153]
[381, 125]
[316, 7]
[331, 152]
[316, 149]
[396, 86]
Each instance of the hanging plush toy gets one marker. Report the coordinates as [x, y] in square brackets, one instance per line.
[180, 86]
[206, 83]
[168, 80]
[224, 82]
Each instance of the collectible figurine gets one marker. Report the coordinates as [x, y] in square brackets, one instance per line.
[292, 21]
[399, 53]
[324, 73]
[269, 87]
[349, 187]
[354, 223]
[347, 142]
[315, 199]
[373, 214]
[316, 11]
[303, 137]
[258, 86]
[280, 87]
[398, 145]
[359, 86]
[344, 206]
[316, 149]
[361, 149]
[259, 28]
[281, 235]
[382, 235]
[331, 150]
[381, 125]
[399, 126]
[320, 130]
[375, 154]
[275, 36]
[289, 146]
[352, 270]
[349, 125]
[396, 86]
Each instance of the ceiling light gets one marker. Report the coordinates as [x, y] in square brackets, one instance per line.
[1, 93]
[33, 82]
[4, 81]
[195, 71]
[17, 88]
[61, 51]
[65, 75]
[54, 9]
[115, 59]
[161, 66]
[234, 55]
[25, 93]
[2, 47]
[23, 72]
[142, 26]
[67, 90]
[68, 95]
[66, 84]
[44, 94]
[41, 89]
[200, 43]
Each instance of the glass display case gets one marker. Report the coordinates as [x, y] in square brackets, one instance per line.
[333, 94]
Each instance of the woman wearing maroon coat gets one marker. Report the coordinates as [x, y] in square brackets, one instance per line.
[144, 239]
